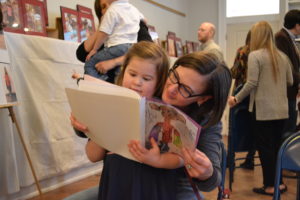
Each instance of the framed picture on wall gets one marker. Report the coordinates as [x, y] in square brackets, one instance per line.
[86, 25]
[179, 47]
[45, 11]
[171, 44]
[12, 15]
[189, 47]
[196, 46]
[153, 34]
[84, 9]
[70, 24]
[34, 17]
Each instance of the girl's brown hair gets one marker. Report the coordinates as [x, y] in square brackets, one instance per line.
[148, 51]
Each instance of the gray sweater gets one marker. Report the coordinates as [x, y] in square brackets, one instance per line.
[270, 97]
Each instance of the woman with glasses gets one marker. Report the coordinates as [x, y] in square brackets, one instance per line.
[198, 84]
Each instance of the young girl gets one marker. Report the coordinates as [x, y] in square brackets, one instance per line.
[145, 70]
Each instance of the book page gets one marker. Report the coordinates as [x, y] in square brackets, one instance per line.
[171, 128]
[113, 120]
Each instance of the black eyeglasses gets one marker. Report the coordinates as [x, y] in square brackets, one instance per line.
[184, 90]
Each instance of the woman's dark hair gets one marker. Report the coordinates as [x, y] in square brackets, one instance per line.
[218, 78]
[291, 18]
[98, 9]
[1, 19]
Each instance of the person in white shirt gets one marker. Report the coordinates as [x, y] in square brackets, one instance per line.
[118, 31]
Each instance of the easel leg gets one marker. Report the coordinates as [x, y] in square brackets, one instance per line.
[14, 120]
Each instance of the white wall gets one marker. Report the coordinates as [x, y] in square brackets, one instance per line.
[197, 11]
[202, 11]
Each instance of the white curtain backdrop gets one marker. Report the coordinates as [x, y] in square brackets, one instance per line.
[41, 69]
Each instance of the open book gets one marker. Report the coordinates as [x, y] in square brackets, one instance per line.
[115, 115]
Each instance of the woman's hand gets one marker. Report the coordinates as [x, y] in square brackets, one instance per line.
[232, 101]
[91, 53]
[78, 125]
[197, 164]
[148, 156]
[105, 66]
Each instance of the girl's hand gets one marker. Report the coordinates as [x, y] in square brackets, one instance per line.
[91, 53]
[78, 125]
[105, 66]
[148, 156]
[232, 101]
[197, 164]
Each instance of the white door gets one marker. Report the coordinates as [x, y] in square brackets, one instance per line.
[236, 36]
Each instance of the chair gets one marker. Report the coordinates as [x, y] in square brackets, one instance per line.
[221, 188]
[288, 158]
[240, 137]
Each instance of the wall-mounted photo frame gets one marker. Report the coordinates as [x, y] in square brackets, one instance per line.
[45, 11]
[12, 15]
[34, 17]
[86, 25]
[70, 24]
[153, 34]
[196, 46]
[84, 9]
[171, 44]
[179, 47]
[189, 46]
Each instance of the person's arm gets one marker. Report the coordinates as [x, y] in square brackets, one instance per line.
[153, 157]
[104, 66]
[100, 39]
[252, 77]
[94, 152]
[206, 171]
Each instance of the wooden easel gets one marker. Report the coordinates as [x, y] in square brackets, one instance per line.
[14, 120]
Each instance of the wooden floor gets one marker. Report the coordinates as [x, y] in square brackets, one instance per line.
[244, 181]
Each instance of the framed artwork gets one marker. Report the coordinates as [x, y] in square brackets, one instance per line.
[84, 9]
[153, 34]
[189, 47]
[171, 44]
[86, 22]
[45, 11]
[12, 15]
[179, 47]
[70, 24]
[34, 17]
[196, 46]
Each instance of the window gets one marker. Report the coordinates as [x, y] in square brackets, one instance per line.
[239, 8]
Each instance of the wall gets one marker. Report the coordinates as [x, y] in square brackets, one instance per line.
[202, 11]
[197, 11]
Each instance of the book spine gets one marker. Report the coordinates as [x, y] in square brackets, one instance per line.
[143, 119]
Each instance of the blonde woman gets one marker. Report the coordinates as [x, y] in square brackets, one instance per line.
[269, 74]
